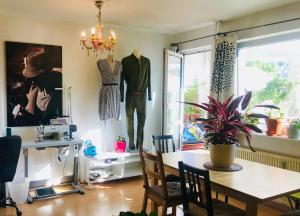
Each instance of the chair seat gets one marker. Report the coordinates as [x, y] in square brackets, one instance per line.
[172, 178]
[174, 190]
[220, 209]
[292, 213]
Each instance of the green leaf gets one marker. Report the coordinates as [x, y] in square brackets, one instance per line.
[257, 115]
[246, 100]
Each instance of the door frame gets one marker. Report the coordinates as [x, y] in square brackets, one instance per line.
[168, 53]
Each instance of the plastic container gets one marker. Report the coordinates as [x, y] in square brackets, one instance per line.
[120, 146]
[18, 190]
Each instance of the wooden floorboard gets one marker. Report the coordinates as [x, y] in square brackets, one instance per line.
[106, 200]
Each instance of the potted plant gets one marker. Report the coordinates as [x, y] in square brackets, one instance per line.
[293, 128]
[274, 123]
[224, 122]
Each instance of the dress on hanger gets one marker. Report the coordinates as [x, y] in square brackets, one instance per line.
[109, 98]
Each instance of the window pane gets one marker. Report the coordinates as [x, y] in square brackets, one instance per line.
[272, 73]
[196, 89]
[173, 96]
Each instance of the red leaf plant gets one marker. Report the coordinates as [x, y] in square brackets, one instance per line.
[225, 120]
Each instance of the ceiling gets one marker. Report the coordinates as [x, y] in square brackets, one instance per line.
[164, 16]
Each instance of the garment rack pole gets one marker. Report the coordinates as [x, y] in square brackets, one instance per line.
[238, 30]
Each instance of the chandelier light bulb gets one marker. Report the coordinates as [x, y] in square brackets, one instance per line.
[83, 35]
[113, 34]
[93, 31]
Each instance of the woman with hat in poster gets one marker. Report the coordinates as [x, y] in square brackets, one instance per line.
[43, 102]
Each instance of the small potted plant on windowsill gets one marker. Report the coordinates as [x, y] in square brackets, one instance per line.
[223, 124]
[274, 123]
[293, 128]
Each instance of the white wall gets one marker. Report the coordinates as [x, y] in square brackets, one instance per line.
[286, 12]
[80, 72]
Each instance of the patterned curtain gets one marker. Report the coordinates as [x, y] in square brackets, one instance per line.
[223, 71]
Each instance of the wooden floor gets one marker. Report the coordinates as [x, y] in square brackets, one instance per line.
[106, 200]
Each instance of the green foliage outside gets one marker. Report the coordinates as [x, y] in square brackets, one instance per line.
[191, 95]
[276, 90]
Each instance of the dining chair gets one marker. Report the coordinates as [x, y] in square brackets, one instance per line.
[196, 194]
[162, 143]
[160, 192]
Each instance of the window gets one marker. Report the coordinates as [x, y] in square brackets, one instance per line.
[196, 87]
[272, 73]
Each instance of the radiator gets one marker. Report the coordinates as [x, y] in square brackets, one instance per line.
[271, 159]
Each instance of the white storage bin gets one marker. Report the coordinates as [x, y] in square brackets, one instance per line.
[18, 190]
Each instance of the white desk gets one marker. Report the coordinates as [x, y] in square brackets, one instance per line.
[77, 143]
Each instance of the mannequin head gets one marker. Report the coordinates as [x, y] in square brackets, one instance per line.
[110, 57]
[137, 52]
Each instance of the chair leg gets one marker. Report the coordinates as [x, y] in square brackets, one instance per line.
[173, 210]
[291, 203]
[154, 207]
[145, 201]
[164, 209]
[19, 213]
[226, 199]
[297, 204]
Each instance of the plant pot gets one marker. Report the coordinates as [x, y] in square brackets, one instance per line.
[293, 132]
[274, 126]
[222, 155]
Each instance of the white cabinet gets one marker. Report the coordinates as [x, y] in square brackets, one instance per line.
[111, 166]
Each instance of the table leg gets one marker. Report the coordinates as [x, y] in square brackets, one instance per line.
[25, 153]
[75, 166]
[251, 207]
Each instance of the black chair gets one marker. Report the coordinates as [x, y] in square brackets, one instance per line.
[196, 198]
[162, 144]
[10, 148]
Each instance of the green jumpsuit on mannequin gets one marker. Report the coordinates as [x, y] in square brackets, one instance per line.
[137, 75]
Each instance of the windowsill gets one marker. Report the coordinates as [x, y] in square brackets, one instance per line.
[275, 144]
[282, 137]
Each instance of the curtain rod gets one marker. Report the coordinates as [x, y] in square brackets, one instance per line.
[238, 30]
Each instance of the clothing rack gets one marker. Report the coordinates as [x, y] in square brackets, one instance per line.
[238, 30]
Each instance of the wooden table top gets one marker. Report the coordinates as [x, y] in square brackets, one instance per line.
[255, 180]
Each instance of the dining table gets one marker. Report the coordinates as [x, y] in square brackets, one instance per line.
[255, 184]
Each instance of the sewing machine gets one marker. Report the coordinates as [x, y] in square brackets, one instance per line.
[55, 132]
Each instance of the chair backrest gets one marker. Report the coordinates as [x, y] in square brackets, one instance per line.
[153, 168]
[198, 191]
[163, 143]
[10, 148]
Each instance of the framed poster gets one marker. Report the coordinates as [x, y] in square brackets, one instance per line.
[33, 77]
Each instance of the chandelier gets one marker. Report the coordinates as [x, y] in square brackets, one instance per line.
[96, 40]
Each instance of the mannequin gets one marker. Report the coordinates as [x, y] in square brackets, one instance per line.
[111, 61]
[137, 53]
[137, 75]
